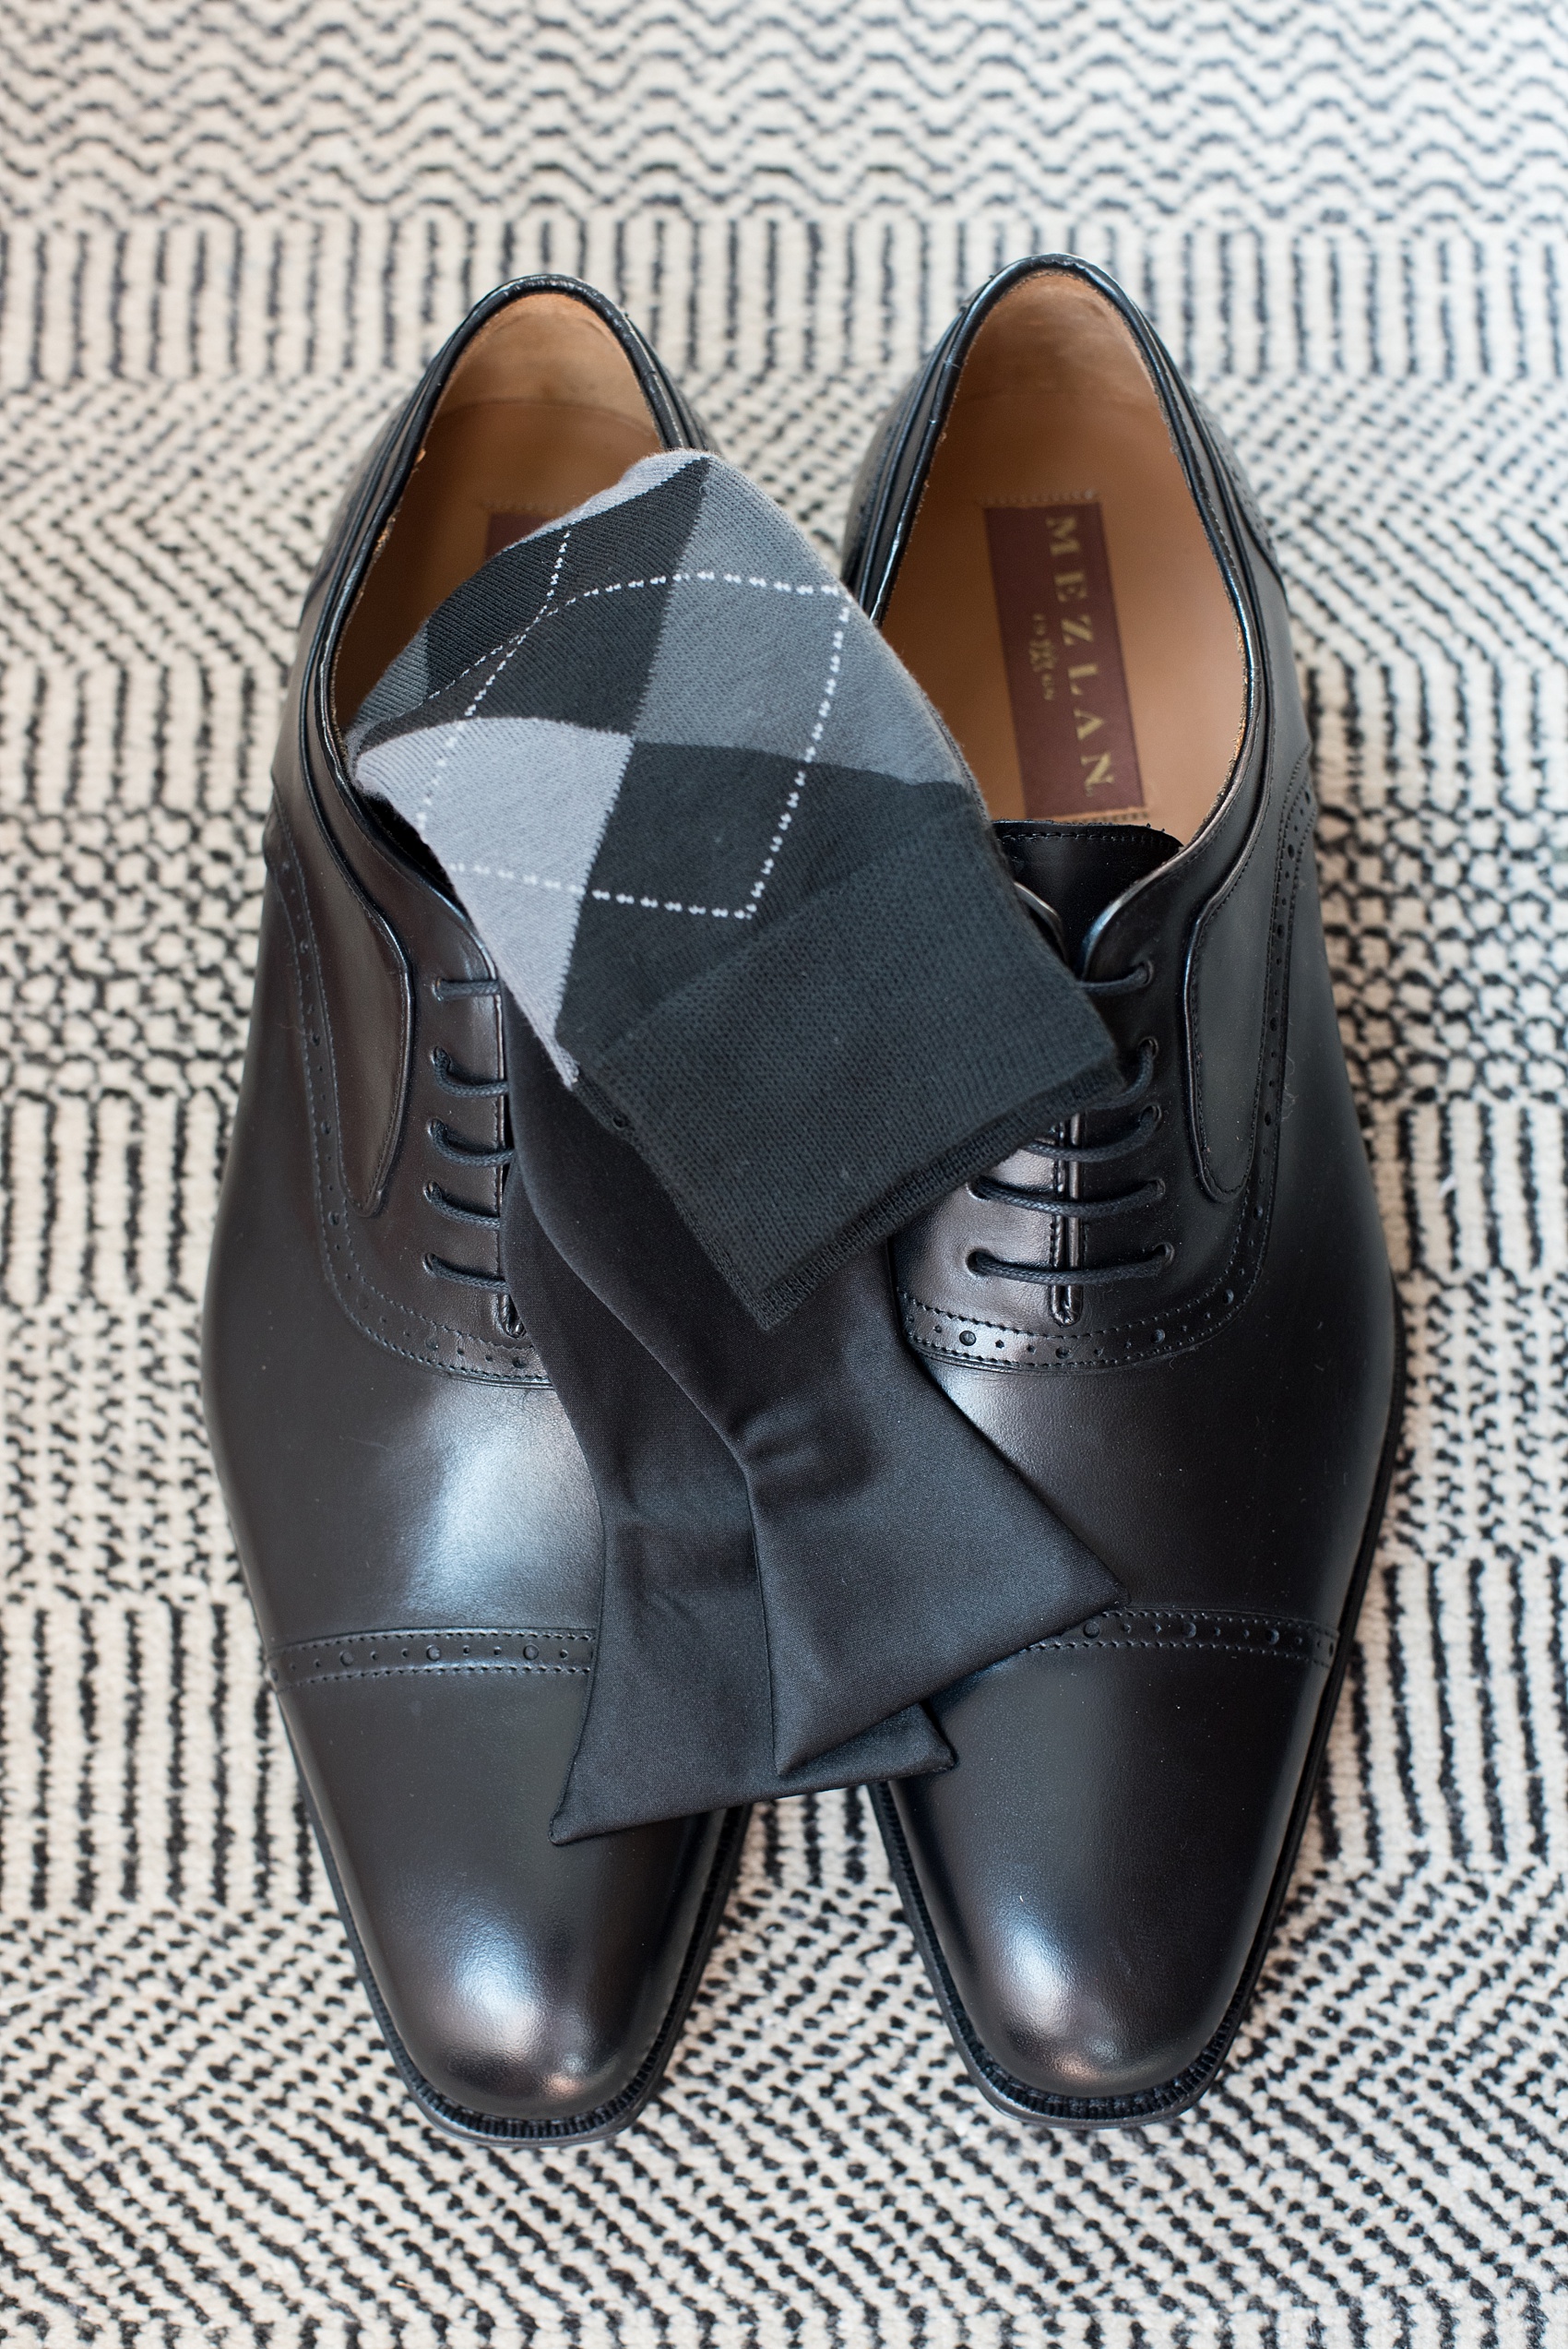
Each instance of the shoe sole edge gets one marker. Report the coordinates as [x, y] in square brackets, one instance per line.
[617, 2112]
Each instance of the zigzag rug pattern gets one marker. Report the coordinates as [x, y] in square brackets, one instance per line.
[229, 235]
[1380, 111]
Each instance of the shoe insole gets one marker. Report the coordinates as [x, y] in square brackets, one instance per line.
[541, 411]
[1058, 599]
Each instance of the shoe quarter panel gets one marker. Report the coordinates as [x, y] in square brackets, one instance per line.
[1245, 923]
[378, 1259]
[1217, 1243]
[1201, 1477]
[366, 1002]
[365, 1487]
[1238, 936]
[379, 1064]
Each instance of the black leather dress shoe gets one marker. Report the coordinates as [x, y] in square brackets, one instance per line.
[1175, 1315]
[415, 1519]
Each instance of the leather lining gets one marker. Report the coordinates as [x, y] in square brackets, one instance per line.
[1055, 408]
[542, 410]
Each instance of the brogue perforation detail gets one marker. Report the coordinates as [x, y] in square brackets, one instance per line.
[444, 1345]
[1213, 1630]
[937, 1330]
[380, 1655]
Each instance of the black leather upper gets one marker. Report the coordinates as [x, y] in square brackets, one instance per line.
[1094, 1876]
[413, 1514]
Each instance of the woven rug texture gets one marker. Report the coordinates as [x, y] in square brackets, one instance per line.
[233, 230]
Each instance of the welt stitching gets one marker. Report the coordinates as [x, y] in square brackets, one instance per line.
[971, 1321]
[420, 1633]
[1189, 1610]
[288, 1667]
[412, 1671]
[439, 1631]
[1211, 1647]
[1302, 1637]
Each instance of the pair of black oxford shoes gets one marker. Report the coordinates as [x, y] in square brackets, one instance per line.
[1173, 1315]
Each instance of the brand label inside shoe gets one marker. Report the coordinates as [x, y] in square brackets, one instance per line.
[504, 530]
[1071, 715]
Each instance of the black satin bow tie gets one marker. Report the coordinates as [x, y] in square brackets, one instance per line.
[770, 991]
[803, 1537]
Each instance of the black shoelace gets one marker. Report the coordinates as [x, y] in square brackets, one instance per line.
[464, 1086]
[1067, 1153]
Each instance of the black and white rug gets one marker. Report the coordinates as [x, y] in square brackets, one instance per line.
[232, 233]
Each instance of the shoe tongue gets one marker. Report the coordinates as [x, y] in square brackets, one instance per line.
[1079, 869]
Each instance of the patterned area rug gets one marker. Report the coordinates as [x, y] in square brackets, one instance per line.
[231, 233]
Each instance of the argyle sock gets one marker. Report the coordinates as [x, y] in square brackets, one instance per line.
[680, 1709]
[732, 868]
[894, 1549]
